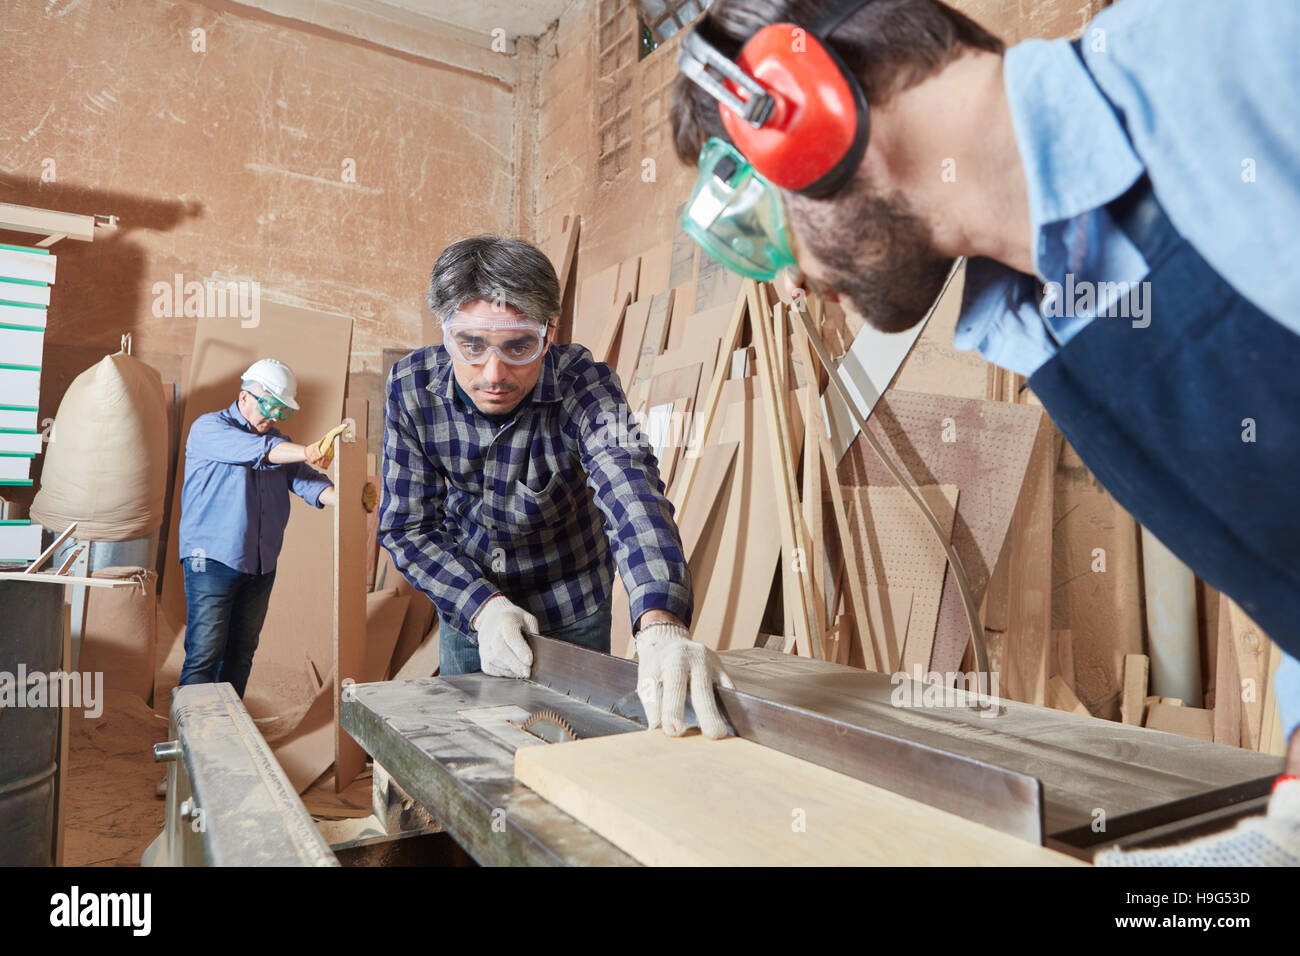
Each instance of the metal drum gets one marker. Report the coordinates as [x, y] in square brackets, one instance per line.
[31, 635]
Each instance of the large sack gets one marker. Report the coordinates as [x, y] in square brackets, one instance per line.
[120, 634]
[106, 465]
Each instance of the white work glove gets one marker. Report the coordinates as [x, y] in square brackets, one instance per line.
[668, 659]
[502, 650]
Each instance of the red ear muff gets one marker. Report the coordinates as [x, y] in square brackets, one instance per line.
[817, 133]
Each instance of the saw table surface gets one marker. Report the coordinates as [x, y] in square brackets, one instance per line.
[448, 743]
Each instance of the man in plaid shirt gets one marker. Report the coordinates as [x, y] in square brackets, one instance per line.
[512, 486]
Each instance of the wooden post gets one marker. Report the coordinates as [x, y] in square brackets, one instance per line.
[349, 583]
[795, 571]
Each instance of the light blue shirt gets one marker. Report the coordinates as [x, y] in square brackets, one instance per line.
[234, 502]
[1210, 90]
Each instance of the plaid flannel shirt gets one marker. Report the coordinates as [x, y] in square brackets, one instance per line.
[530, 509]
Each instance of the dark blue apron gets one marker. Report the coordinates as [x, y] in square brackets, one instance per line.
[1162, 416]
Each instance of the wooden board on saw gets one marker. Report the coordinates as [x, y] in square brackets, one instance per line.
[690, 801]
[316, 345]
[899, 550]
[987, 459]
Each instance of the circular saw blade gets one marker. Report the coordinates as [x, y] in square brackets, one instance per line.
[549, 726]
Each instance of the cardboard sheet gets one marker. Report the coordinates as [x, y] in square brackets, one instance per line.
[316, 346]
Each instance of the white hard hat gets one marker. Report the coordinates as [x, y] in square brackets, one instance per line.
[276, 377]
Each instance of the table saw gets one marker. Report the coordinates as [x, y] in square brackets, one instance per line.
[1032, 773]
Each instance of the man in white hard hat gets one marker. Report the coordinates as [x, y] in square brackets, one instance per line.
[239, 470]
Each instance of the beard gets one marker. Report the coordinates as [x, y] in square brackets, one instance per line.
[873, 251]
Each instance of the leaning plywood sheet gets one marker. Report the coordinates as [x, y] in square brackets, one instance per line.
[1188, 721]
[870, 365]
[733, 563]
[690, 801]
[1257, 662]
[424, 661]
[595, 306]
[652, 341]
[899, 550]
[1227, 683]
[656, 268]
[308, 751]
[315, 345]
[677, 383]
[981, 447]
[1096, 583]
[714, 469]
[629, 345]
[350, 584]
[888, 611]
[385, 611]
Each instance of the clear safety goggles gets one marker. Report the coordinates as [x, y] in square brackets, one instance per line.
[517, 340]
[737, 216]
[271, 407]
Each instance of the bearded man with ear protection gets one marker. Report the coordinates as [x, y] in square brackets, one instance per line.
[1127, 203]
[512, 488]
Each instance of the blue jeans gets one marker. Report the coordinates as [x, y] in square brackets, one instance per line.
[224, 611]
[457, 655]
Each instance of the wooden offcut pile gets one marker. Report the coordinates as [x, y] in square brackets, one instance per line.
[800, 540]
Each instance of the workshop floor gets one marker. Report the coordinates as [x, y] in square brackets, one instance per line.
[112, 812]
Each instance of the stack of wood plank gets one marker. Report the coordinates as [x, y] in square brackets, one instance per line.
[799, 539]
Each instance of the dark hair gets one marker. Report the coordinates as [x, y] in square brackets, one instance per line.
[890, 45]
[509, 271]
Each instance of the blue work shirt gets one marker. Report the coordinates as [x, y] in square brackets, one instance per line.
[1210, 92]
[234, 502]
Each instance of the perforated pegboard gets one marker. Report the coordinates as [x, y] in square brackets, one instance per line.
[986, 461]
[898, 549]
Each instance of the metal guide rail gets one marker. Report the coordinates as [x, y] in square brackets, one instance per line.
[229, 802]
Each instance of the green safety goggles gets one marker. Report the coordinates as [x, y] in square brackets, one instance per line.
[272, 408]
[737, 216]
